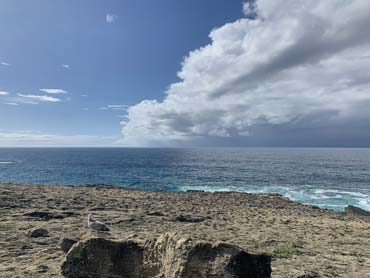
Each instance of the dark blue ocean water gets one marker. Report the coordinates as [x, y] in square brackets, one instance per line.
[330, 178]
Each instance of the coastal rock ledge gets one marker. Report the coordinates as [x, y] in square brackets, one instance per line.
[169, 256]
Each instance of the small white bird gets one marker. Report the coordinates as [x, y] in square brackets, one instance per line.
[96, 225]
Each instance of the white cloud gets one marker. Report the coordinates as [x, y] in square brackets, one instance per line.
[40, 98]
[11, 103]
[120, 107]
[3, 63]
[110, 18]
[4, 93]
[27, 101]
[84, 95]
[298, 63]
[249, 8]
[65, 66]
[53, 91]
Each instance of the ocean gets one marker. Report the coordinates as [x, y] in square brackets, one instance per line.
[326, 177]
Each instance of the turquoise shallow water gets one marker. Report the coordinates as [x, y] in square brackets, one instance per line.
[330, 178]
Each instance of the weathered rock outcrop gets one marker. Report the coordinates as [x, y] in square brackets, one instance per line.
[352, 210]
[169, 256]
[66, 244]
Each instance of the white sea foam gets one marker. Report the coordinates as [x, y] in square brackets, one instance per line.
[332, 206]
[364, 203]
[350, 193]
[6, 162]
[325, 198]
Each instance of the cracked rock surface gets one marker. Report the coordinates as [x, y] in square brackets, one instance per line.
[169, 256]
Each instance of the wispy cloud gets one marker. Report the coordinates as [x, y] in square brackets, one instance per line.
[65, 66]
[11, 103]
[110, 18]
[40, 98]
[54, 91]
[4, 93]
[122, 116]
[3, 63]
[116, 107]
[84, 95]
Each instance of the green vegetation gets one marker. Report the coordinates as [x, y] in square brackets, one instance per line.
[285, 251]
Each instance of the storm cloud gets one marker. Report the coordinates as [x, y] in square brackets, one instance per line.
[290, 71]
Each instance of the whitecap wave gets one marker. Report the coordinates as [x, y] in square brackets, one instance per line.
[324, 198]
[364, 203]
[340, 192]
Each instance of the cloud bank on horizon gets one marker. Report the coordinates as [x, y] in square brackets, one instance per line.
[32, 138]
[287, 65]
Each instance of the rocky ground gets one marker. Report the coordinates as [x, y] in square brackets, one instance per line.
[303, 241]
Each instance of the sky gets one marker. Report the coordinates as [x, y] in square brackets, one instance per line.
[188, 73]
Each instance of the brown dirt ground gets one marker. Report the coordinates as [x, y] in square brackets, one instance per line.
[303, 240]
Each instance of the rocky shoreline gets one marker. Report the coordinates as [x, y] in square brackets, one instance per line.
[301, 240]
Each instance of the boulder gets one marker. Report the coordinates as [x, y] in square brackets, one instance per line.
[40, 232]
[103, 258]
[352, 210]
[66, 244]
[169, 256]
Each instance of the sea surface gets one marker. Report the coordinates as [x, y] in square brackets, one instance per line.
[329, 178]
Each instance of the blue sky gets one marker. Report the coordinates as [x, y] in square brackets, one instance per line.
[184, 73]
[135, 57]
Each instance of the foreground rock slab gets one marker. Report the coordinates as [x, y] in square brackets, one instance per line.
[169, 256]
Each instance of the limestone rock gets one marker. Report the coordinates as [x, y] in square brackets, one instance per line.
[352, 210]
[66, 244]
[40, 232]
[170, 256]
[102, 258]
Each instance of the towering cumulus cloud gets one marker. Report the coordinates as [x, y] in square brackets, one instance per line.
[287, 65]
